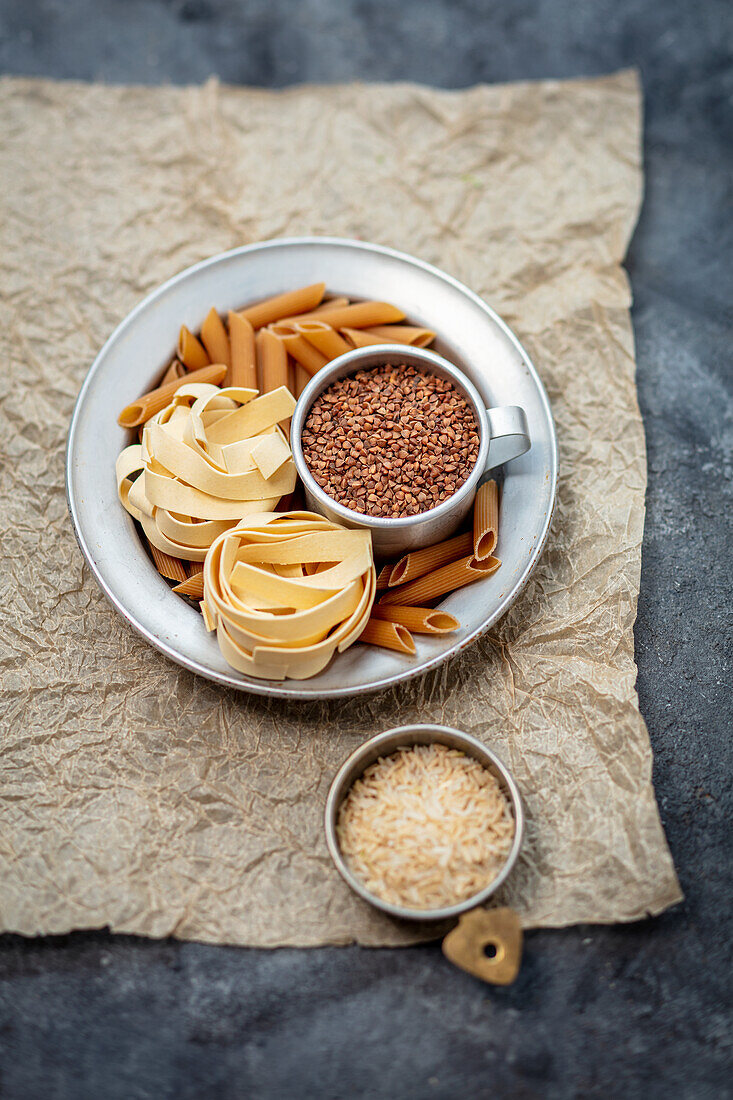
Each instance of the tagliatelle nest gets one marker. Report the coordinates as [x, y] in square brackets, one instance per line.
[207, 460]
[284, 591]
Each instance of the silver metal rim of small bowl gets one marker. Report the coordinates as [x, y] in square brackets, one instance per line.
[388, 742]
[140, 346]
[349, 363]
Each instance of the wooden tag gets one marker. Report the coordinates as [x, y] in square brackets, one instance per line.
[498, 930]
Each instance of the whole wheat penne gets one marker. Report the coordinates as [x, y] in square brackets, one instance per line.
[404, 334]
[272, 361]
[193, 586]
[214, 338]
[331, 303]
[291, 376]
[388, 636]
[191, 351]
[150, 403]
[485, 520]
[419, 562]
[172, 568]
[361, 338]
[419, 620]
[297, 346]
[302, 300]
[447, 579]
[175, 370]
[293, 502]
[243, 366]
[357, 315]
[324, 338]
[302, 378]
[383, 577]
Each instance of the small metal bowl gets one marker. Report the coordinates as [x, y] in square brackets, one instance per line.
[405, 737]
[503, 435]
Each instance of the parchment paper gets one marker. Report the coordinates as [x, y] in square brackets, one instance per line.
[137, 796]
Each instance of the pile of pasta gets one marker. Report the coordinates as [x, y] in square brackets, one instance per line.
[274, 344]
[207, 459]
[422, 577]
[285, 340]
[284, 591]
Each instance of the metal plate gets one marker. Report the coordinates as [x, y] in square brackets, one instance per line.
[469, 334]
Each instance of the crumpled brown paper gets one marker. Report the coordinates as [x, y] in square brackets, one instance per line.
[137, 796]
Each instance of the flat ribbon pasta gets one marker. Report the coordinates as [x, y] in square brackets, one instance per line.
[207, 460]
[284, 591]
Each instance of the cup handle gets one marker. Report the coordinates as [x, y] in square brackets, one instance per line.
[500, 929]
[509, 434]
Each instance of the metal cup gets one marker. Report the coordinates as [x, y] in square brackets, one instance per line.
[503, 435]
[405, 737]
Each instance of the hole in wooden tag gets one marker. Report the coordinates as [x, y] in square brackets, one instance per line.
[488, 944]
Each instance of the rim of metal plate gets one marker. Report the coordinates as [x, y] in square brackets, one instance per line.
[293, 689]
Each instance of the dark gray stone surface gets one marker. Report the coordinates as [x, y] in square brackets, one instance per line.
[634, 1011]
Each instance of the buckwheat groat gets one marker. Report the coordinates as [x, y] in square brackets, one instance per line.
[391, 441]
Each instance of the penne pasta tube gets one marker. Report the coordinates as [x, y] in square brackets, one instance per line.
[293, 502]
[214, 338]
[419, 620]
[388, 636]
[404, 334]
[419, 562]
[272, 361]
[169, 567]
[243, 365]
[324, 338]
[302, 378]
[302, 300]
[151, 403]
[195, 567]
[455, 575]
[331, 303]
[297, 346]
[357, 315]
[383, 577]
[193, 586]
[485, 520]
[362, 338]
[175, 370]
[286, 504]
[191, 351]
